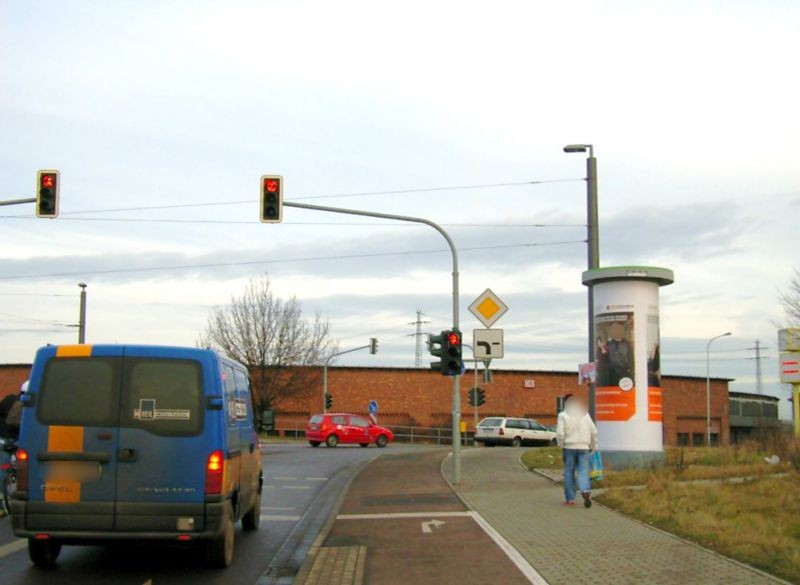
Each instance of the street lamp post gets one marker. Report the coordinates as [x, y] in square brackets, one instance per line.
[593, 243]
[708, 386]
[82, 315]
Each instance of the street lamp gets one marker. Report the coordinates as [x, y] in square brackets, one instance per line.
[708, 386]
[593, 241]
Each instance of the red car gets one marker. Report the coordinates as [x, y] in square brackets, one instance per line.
[333, 429]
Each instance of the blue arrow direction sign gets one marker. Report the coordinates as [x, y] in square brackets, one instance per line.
[373, 406]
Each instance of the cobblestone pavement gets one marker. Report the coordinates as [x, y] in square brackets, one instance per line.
[569, 545]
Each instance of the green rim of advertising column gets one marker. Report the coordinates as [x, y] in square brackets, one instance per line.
[661, 277]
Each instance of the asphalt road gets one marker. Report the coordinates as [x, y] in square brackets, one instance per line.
[294, 476]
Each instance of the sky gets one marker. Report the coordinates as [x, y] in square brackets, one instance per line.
[691, 108]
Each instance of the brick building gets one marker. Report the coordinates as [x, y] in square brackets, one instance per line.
[409, 396]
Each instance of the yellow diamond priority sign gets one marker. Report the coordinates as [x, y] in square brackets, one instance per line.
[488, 308]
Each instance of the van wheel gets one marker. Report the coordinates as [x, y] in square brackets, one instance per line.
[381, 441]
[332, 441]
[364, 444]
[516, 442]
[252, 519]
[43, 553]
[314, 443]
[219, 552]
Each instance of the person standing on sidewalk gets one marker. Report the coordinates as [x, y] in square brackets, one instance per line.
[576, 433]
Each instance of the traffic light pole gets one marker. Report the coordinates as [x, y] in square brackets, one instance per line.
[456, 434]
[17, 201]
[325, 372]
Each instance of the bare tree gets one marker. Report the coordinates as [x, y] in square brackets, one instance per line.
[790, 299]
[268, 334]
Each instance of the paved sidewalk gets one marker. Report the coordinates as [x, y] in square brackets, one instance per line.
[569, 545]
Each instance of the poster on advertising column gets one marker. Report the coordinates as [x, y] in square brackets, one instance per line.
[616, 369]
[654, 399]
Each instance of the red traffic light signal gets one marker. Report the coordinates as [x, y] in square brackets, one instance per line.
[47, 193]
[271, 198]
[453, 339]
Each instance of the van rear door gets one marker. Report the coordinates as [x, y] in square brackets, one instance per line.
[165, 438]
[73, 443]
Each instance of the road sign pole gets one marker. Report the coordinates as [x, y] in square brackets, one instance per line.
[456, 435]
[796, 408]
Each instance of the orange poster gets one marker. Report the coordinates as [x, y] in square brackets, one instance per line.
[614, 353]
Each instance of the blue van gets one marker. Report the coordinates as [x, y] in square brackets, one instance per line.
[136, 442]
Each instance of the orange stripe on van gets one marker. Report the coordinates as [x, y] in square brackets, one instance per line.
[74, 350]
[61, 439]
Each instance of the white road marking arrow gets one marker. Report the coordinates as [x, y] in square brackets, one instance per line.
[426, 526]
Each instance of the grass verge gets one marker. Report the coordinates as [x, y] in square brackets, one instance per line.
[756, 522]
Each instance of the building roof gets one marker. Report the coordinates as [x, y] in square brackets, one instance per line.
[751, 396]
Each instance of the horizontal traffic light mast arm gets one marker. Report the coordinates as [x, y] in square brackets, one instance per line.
[17, 201]
[407, 218]
[330, 357]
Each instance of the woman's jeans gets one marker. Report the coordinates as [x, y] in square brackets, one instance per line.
[576, 460]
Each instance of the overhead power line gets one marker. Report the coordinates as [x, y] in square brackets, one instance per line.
[328, 196]
[286, 260]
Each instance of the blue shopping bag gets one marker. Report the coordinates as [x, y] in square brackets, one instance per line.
[596, 470]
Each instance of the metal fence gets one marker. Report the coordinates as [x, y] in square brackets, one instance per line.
[402, 434]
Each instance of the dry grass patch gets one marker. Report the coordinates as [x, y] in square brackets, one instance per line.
[757, 522]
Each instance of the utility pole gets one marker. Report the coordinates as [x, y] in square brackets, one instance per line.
[593, 245]
[82, 316]
[418, 334]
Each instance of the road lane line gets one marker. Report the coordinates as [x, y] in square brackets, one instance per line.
[277, 508]
[296, 487]
[316, 479]
[400, 515]
[279, 518]
[12, 547]
[513, 554]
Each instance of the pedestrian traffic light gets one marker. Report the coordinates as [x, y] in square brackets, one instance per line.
[453, 362]
[481, 397]
[373, 345]
[271, 198]
[328, 400]
[436, 347]
[47, 194]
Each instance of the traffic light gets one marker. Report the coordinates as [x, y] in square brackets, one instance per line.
[453, 362]
[271, 198]
[436, 347]
[481, 398]
[47, 194]
[328, 400]
[373, 345]
[472, 396]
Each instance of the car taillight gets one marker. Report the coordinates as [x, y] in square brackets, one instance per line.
[215, 470]
[501, 431]
[22, 470]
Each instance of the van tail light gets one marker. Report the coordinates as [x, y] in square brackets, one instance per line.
[215, 470]
[501, 431]
[22, 470]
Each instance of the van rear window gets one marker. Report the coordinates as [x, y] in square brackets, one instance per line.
[163, 396]
[79, 392]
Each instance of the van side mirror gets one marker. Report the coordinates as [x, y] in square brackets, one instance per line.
[28, 399]
[214, 402]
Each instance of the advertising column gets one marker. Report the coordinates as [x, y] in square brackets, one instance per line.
[628, 362]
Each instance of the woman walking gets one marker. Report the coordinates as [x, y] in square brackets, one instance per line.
[576, 433]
